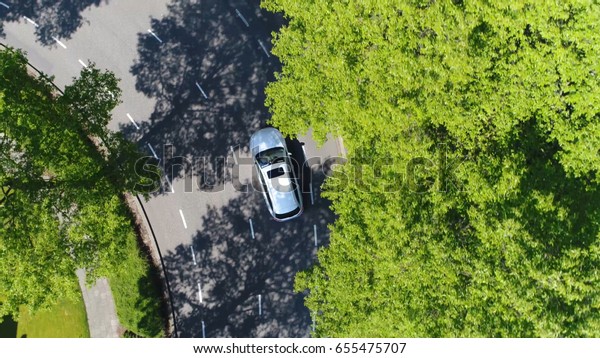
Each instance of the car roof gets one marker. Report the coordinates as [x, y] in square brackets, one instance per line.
[281, 188]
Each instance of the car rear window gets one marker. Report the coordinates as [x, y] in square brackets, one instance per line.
[274, 173]
[287, 215]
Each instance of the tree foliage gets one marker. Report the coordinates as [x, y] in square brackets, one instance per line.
[60, 204]
[469, 205]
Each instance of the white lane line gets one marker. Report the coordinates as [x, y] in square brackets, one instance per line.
[251, 228]
[152, 150]
[203, 330]
[239, 14]
[201, 90]
[170, 184]
[259, 305]
[304, 151]
[132, 121]
[264, 48]
[312, 198]
[315, 231]
[31, 21]
[3, 4]
[153, 34]
[59, 42]
[193, 255]
[234, 156]
[199, 292]
[182, 219]
[82, 63]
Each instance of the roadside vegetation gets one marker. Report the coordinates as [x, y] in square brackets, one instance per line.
[66, 319]
[62, 173]
[470, 202]
[136, 289]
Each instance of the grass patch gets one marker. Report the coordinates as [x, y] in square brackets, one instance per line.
[67, 319]
[135, 287]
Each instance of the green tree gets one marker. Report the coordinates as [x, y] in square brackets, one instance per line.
[470, 202]
[60, 204]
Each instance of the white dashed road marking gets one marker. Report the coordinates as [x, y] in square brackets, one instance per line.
[59, 42]
[82, 63]
[203, 330]
[31, 21]
[170, 185]
[234, 156]
[3, 4]
[315, 231]
[153, 34]
[199, 292]
[201, 90]
[251, 228]
[193, 255]
[153, 152]
[239, 14]
[263, 48]
[132, 121]
[259, 305]
[182, 219]
[304, 152]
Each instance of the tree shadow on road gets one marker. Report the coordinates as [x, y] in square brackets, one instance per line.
[207, 74]
[55, 18]
[233, 269]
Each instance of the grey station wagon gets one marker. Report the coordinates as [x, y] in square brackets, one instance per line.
[275, 172]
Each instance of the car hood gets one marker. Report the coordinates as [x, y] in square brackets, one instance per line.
[264, 139]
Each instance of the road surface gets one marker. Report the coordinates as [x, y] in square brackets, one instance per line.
[193, 75]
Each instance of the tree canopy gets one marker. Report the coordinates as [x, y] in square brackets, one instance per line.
[469, 205]
[60, 203]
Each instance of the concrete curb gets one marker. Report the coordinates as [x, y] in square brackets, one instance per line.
[146, 234]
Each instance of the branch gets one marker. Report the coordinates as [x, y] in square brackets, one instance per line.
[6, 194]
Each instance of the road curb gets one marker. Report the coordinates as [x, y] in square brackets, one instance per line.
[146, 234]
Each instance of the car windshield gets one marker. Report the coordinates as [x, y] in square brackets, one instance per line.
[270, 156]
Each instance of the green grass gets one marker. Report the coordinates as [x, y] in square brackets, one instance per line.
[67, 319]
[135, 288]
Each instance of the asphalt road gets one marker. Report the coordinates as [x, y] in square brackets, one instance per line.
[193, 75]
